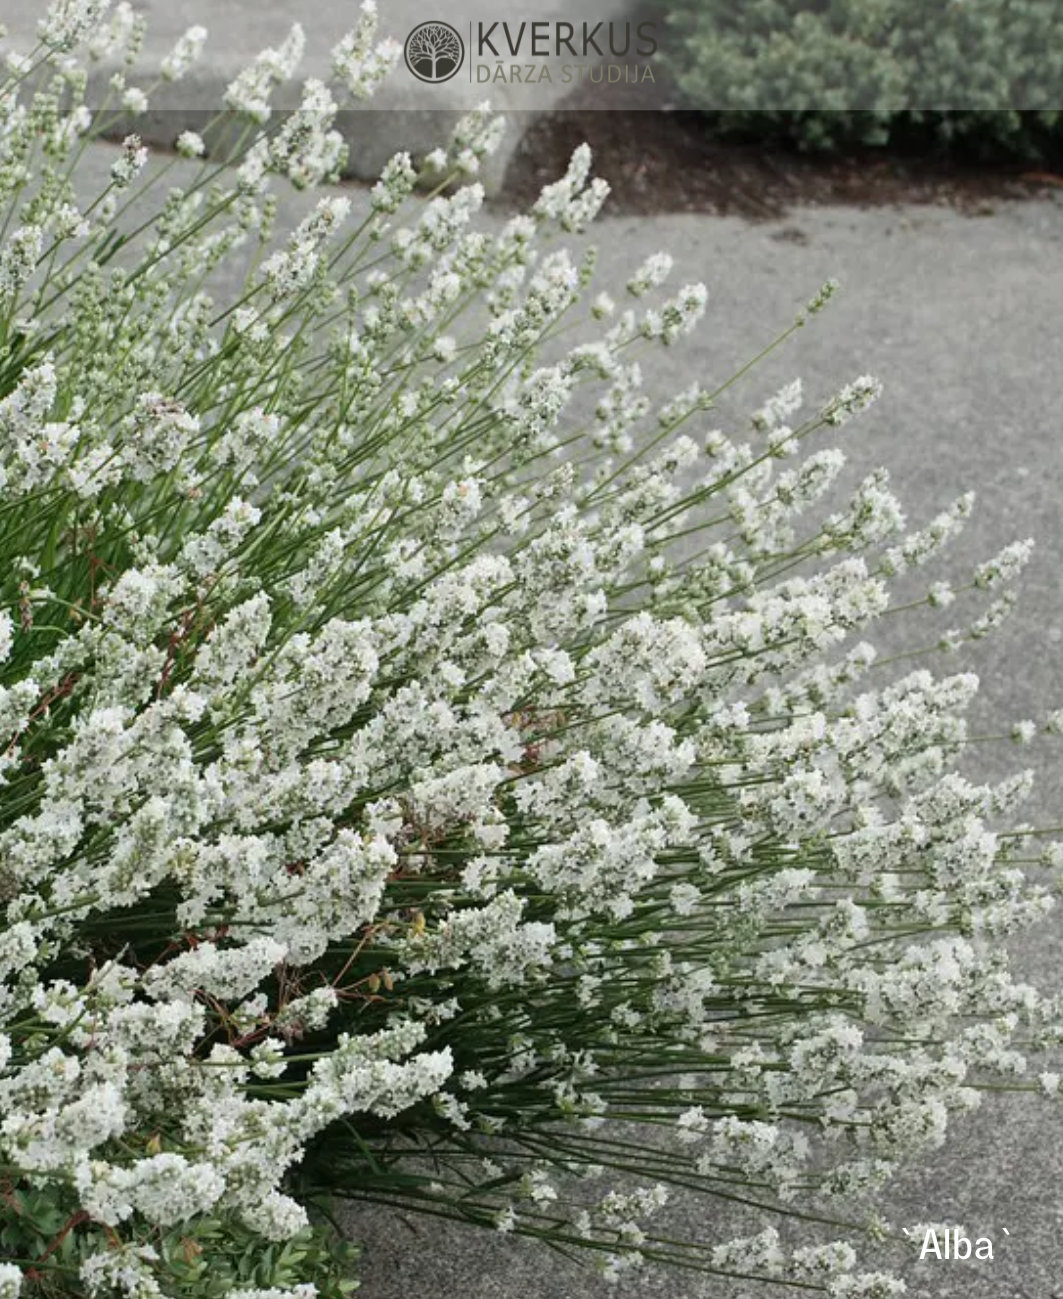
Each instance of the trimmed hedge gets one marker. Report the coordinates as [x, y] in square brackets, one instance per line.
[982, 75]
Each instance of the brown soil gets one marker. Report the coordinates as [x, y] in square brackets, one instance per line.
[660, 160]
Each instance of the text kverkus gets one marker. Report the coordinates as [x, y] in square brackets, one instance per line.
[543, 40]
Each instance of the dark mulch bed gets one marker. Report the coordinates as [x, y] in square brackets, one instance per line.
[659, 160]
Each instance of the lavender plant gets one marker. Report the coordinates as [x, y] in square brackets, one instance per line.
[430, 775]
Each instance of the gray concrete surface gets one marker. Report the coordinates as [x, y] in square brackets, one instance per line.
[405, 114]
[960, 317]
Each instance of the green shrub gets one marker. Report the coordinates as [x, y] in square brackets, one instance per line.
[984, 75]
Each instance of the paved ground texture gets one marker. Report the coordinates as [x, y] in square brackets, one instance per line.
[960, 318]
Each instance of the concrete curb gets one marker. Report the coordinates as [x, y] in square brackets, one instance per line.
[405, 114]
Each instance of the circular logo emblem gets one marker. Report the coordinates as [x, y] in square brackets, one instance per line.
[434, 52]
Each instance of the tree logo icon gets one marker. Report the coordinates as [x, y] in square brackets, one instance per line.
[434, 52]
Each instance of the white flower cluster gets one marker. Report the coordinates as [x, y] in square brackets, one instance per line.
[69, 22]
[359, 64]
[185, 54]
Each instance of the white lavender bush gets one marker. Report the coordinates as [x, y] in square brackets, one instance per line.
[414, 747]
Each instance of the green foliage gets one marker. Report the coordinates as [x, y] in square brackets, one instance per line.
[983, 75]
[42, 1229]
